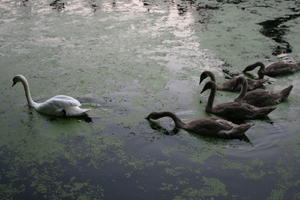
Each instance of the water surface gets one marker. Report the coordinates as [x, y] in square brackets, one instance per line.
[123, 60]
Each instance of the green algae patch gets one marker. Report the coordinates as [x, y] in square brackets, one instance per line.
[9, 191]
[124, 60]
[211, 188]
[277, 194]
[281, 191]
[168, 187]
[197, 149]
[254, 170]
[176, 171]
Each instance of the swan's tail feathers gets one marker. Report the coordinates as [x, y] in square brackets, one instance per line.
[252, 67]
[264, 111]
[236, 132]
[75, 111]
[286, 92]
[241, 129]
[245, 127]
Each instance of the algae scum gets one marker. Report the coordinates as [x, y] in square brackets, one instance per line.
[123, 60]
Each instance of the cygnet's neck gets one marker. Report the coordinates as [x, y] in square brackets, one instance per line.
[244, 89]
[210, 102]
[177, 121]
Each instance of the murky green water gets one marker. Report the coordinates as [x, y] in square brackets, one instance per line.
[125, 59]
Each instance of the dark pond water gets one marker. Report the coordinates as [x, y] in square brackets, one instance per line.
[125, 59]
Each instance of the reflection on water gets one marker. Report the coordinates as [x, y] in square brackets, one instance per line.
[276, 31]
[125, 59]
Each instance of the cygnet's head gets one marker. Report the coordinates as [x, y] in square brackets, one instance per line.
[206, 74]
[208, 85]
[203, 76]
[153, 115]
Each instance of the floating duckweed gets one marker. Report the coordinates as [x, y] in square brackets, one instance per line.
[252, 171]
[277, 195]
[167, 187]
[176, 171]
[212, 187]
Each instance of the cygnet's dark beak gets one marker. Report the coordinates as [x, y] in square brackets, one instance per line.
[201, 79]
[203, 90]
[14, 83]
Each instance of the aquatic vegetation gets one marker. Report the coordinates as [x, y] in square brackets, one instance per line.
[123, 60]
[211, 188]
[254, 170]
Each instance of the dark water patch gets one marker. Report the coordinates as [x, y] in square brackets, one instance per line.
[206, 7]
[228, 74]
[146, 3]
[275, 30]
[182, 9]
[231, 1]
[24, 2]
[39, 180]
[266, 144]
[94, 6]
[57, 5]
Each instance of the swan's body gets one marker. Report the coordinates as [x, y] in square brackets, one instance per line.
[234, 110]
[207, 126]
[59, 105]
[274, 69]
[230, 85]
[261, 97]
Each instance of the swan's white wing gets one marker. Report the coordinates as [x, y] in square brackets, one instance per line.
[75, 111]
[56, 105]
[64, 101]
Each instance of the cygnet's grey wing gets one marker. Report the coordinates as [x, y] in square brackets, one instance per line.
[261, 97]
[280, 68]
[209, 126]
[229, 85]
[236, 110]
[224, 124]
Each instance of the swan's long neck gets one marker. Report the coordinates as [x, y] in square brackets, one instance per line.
[31, 103]
[211, 99]
[244, 89]
[177, 121]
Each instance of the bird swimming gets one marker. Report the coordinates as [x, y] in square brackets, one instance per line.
[274, 69]
[261, 97]
[212, 127]
[230, 85]
[60, 105]
[234, 110]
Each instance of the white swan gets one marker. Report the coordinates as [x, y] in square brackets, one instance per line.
[59, 105]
